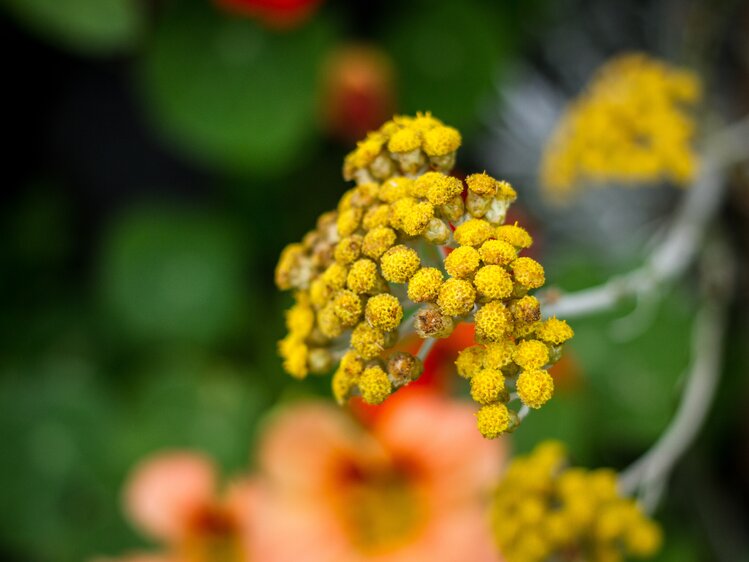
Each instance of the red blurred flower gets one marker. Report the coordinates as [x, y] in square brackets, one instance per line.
[274, 13]
[358, 92]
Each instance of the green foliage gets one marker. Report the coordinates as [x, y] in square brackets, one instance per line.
[91, 27]
[231, 93]
[446, 55]
[173, 275]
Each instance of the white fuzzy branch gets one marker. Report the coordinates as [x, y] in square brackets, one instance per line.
[681, 243]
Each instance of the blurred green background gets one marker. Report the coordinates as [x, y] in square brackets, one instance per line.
[161, 153]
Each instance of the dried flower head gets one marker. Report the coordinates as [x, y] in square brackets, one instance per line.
[411, 248]
[546, 510]
[631, 125]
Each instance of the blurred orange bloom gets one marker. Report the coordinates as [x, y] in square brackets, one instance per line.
[409, 488]
[173, 498]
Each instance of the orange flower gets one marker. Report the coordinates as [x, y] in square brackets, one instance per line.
[173, 498]
[410, 487]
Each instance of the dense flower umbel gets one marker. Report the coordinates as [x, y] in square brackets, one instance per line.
[544, 510]
[379, 263]
[631, 125]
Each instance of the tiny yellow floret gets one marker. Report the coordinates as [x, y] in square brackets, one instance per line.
[463, 262]
[348, 250]
[399, 263]
[378, 241]
[482, 184]
[473, 232]
[384, 312]
[425, 284]
[487, 385]
[554, 331]
[374, 385]
[493, 322]
[441, 140]
[535, 388]
[514, 235]
[493, 420]
[493, 282]
[469, 361]
[369, 342]
[456, 297]
[405, 140]
[499, 354]
[363, 276]
[531, 354]
[347, 306]
[497, 252]
[528, 272]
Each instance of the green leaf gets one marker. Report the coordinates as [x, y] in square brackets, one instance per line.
[446, 54]
[92, 27]
[173, 275]
[232, 93]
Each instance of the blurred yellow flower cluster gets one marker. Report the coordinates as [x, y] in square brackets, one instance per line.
[630, 125]
[383, 256]
[545, 510]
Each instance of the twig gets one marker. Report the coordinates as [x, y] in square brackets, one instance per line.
[680, 245]
[650, 472]
[425, 348]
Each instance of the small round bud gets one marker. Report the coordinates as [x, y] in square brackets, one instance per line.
[493, 420]
[430, 322]
[404, 367]
[384, 312]
[493, 282]
[348, 250]
[367, 341]
[469, 361]
[425, 284]
[514, 234]
[487, 386]
[535, 388]
[554, 331]
[531, 354]
[528, 273]
[493, 322]
[463, 262]
[456, 297]
[374, 385]
[399, 263]
[497, 252]
[482, 184]
[473, 232]
[377, 241]
[363, 276]
[441, 140]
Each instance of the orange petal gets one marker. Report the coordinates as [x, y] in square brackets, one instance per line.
[165, 490]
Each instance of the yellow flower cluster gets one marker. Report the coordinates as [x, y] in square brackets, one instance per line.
[381, 262]
[630, 125]
[545, 510]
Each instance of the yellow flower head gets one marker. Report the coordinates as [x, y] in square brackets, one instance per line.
[374, 385]
[535, 388]
[441, 141]
[463, 262]
[394, 228]
[632, 124]
[384, 312]
[425, 285]
[399, 264]
[543, 509]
